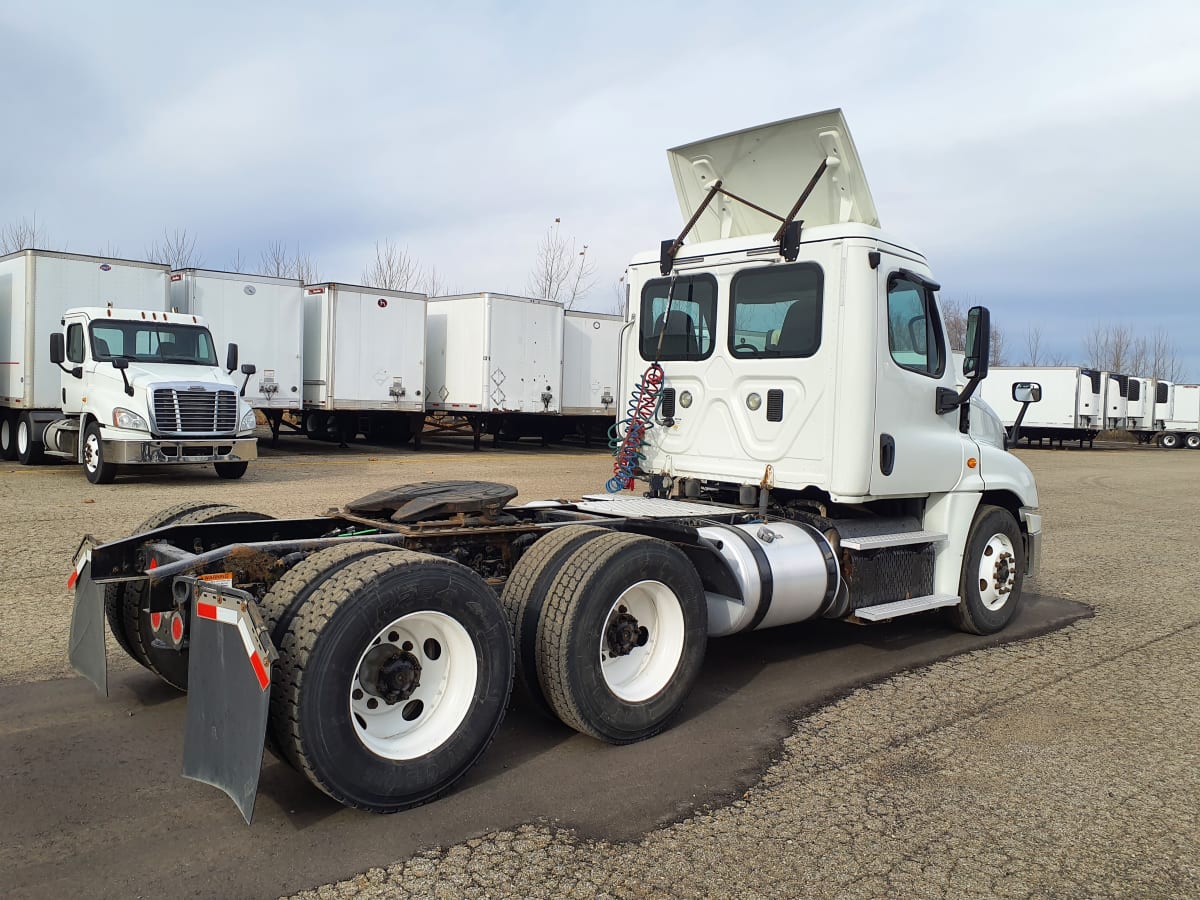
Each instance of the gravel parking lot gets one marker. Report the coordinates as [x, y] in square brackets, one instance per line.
[1062, 765]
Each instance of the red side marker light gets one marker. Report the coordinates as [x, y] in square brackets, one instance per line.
[156, 621]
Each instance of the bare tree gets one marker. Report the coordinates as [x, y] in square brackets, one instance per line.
[954, 317]
[433, 285]
[237, 262]
[109, 250]
[393, 268]
[999, 354]
[1033, 346]
[278, 261]
[26, 234]
[1057, 358]
[561, 270]
[176, 249]
[1164, 361]
[1109, 347]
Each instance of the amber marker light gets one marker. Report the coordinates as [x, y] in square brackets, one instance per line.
[971, 463]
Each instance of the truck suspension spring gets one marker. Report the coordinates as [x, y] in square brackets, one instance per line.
[627, 437]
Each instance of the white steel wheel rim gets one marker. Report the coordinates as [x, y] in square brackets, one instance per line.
[91, 452]
[1193, 441]
[445, 694]
[23, 437]
[997, 571]
[645, 670]
[5, 433]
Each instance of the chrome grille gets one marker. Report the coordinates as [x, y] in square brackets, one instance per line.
[195, 412]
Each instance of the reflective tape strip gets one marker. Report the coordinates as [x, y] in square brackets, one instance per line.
[232, 617]
[264, 679]
[79, 564]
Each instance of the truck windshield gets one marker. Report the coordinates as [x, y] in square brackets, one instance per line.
[157, 342]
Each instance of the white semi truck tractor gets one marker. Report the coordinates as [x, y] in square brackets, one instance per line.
[796, 448]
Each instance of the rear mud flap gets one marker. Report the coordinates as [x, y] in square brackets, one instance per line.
[229, 691]
[86, 648]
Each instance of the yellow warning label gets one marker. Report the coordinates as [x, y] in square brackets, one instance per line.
[220, 579]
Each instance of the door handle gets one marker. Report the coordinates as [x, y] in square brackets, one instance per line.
[887, 453]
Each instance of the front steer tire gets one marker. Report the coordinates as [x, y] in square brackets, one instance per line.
[231, 469]
[993, 573]
[412, 608]
[644, 591]
[97, 470]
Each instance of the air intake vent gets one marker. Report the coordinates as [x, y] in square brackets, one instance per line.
[667, 408]
[775, 405]
[193, 412]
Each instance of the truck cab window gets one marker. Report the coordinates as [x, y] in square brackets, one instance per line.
[153, 342]
[75, 343]
[681, 328]
[776, 312]
[914, 329]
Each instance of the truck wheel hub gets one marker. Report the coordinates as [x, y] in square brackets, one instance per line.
[624, 633]
[391, 674]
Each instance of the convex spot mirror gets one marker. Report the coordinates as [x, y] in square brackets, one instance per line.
[979, 339]
[1026, 391]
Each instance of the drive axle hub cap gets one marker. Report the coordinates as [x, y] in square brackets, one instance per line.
[997, 571]
[413, 685]
[641, 643]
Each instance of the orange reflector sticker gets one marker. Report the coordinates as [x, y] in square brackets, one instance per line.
[971, 463]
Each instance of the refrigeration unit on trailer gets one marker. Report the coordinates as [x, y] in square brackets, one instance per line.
[96, 370]
[1182, 426]
[1140, 408]
[1116, 401]
[791, 415]
[591, 348]
[1069, 409]
[364, 362]
[263, 315]
[496, 360]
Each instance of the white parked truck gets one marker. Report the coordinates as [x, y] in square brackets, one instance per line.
[264, 316]
[364, 362]
[1180, 410]
[792, 423]
[495, 360]
[97, 371]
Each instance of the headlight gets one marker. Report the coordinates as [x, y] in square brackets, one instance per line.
[249, 423]
[127, 418]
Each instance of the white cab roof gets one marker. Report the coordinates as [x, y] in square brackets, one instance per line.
[136, 315]
[770, 165]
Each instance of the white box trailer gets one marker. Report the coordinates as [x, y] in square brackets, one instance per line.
[495, 360]
[364, 361]
[1070, 405]
[1116, 401]
[591, 356]
[36, 288]
[263, 315]
[1181, 427]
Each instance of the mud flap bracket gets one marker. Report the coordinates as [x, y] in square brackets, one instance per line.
[229, 690]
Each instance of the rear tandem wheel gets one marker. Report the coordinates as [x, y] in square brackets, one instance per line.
[391, 680]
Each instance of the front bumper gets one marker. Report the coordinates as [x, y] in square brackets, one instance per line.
[188, 452]
[1033, 541]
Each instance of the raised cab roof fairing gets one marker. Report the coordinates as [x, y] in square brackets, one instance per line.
[770, 165]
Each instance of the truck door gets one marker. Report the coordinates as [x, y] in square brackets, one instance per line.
[73, 388]
[916, 451]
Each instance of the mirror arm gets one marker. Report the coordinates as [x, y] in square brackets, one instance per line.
[1016, 429]
[76, 372]
[242, 392]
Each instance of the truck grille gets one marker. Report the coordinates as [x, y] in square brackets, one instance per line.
[195, 412]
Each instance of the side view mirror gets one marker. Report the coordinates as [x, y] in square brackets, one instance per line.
[1026, 391]
[58, 348]
[121, 365]
[979, 342]
[231, 358]
[249, 369]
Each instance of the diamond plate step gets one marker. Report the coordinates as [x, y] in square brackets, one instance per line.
[905, 607]
[896, 539]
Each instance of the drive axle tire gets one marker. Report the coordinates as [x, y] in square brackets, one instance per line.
[135, 622]
[622, 637]
[8, 435]
[1168, 441]
[1192, 441]
[993, 573]
[30, 450]
[231, 469]
[392, 680]
[524, 595]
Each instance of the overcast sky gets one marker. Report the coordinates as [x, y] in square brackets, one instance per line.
[1046, 162]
